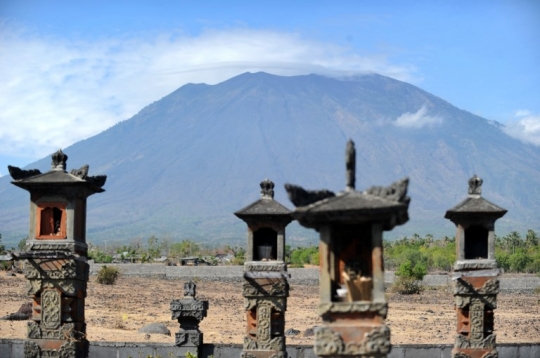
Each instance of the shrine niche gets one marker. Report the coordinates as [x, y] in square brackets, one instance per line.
[475, 276]
[51, 221]
[265, 288]
[352, 305]
[55, 260]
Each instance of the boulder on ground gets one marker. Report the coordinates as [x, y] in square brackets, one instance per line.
[24, 313]
[155, 328]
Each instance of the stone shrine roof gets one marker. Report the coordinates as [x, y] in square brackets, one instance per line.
[34, 179]
[387, 205]
[266, 206]
[475, 204]
[353, 207]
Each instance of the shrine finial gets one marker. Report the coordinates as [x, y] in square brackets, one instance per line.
[267, 189]
[475, 185]
[350, 162]
[189, 289]
[59, 160]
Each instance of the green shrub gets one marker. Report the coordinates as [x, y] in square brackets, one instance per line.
[100, 257]
[534, 265]
[406, 286]
[502, 259]
[6, 265]
[107, 275]
[518, 261]
[409, 277]
[408, 270]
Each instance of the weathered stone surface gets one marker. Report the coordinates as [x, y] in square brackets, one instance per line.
[155, 328]
[375, 343]
[55, 261]
[189, 312]
[353, 304]
[327, 308]
[476, 284]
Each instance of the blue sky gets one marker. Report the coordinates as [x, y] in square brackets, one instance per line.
[69, 70]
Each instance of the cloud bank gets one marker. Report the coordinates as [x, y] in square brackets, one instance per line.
[56, 91]
[418, 119]
[525, 127]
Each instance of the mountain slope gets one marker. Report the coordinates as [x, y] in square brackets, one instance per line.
[185, 163]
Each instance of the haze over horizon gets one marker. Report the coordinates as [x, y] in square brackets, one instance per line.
[71, 70]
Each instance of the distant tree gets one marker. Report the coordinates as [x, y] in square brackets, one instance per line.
[22, 244]
[518, 261]
[99, 256]
[2, 247]
[531, 239]
[502, 258]
[239, 256]
[308, 255]
[154, 247]
[184, 248]
[513, 241]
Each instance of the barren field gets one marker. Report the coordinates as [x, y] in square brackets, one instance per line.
[115, 313]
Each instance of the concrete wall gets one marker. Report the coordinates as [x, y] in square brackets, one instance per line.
[308, 276]
[15, 349]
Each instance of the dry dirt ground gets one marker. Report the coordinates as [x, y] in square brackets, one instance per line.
[115, 313]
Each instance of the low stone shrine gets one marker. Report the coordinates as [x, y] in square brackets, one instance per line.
[56, 264]
[265, 287]
[352, 305]
[189, 312]
[475, 276]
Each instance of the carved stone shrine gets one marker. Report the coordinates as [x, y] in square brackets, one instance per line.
[189, 312]
[352, 305]
[56, 257]
[265, 287]
[476, 282]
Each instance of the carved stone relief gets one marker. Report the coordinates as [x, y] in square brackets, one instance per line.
[31, 349]
[472, 265]
[68, 287]
[264, 314]
[274, 267]
[274, 344]
[463, 343]
[279, 288]
[70, 269]
[330, 343]
[463, 301]
[277, 303]
[353, 307]
[51, 309]
[462, 287]
[188, 338]
[476, 315]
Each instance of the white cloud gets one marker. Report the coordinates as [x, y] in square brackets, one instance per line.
[522, 113]
[418, 119]
[55, 91]
[526, 128]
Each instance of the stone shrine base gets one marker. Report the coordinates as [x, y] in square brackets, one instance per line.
[15, 349]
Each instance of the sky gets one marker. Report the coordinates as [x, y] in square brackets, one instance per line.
[71, 69]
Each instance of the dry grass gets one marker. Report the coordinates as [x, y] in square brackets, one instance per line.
[115, 313]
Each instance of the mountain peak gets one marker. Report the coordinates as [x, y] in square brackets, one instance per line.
[185, 163]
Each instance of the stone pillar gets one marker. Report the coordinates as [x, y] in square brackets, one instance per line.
[56, 263]
[475, 276]
[352, 305]
[265, 287]
[189, 312]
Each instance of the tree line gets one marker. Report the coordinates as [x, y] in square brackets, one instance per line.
[416, 255]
